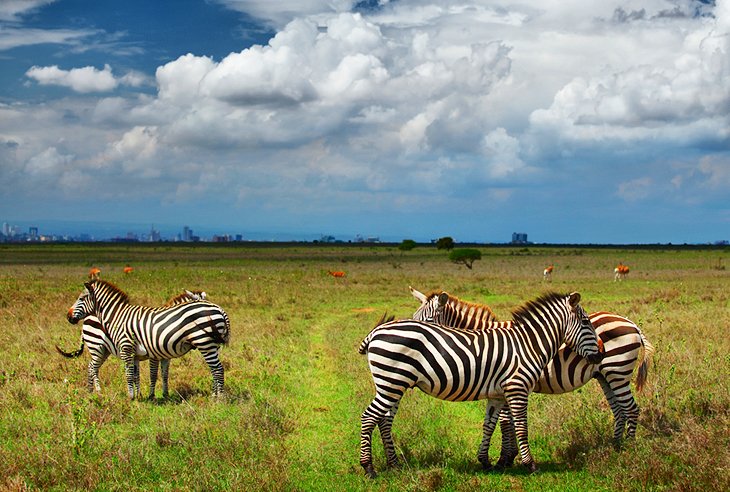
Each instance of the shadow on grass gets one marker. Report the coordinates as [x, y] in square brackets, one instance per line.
[184, 393]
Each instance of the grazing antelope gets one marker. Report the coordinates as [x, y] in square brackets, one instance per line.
[620, 272]
[94, 273]
[337, 274]
[128, 269]
[547, 274]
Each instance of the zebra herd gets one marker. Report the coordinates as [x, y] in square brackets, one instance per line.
[451, 349]
[112, 325]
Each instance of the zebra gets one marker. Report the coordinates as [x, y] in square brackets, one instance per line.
[501, 363]
[163, 332]
[623, 344]
[100, 346]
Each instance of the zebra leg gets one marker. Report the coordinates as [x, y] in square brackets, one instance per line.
[373, 415]
[154, 365]
[619, 418]
[165, 363]
[517, 401]
[216, 369]
[490, 422]
[385, 426]
[97, 359]
[509, 440]
[136, 377]
[126, 353]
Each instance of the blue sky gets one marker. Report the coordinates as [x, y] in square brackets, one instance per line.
[579, 121]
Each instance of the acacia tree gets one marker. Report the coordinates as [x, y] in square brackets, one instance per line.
[467, 256]
[446, 243]
[407, 245]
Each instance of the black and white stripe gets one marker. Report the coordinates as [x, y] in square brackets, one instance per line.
[625, 347]
[501, 363]
[163, 333]
[100, 347]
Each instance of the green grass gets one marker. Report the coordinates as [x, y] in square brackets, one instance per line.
[296, 386]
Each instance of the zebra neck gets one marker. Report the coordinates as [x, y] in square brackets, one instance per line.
[542, 342]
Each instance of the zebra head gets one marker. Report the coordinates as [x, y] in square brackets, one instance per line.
[580, 334]
[432, 305]
[84, 305]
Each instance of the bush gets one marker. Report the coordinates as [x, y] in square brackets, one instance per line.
[407, 245]
[467, 256]
[446, 243]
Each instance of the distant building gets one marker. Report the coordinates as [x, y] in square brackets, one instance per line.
[33, 233]
[187, 234]
[519, 238]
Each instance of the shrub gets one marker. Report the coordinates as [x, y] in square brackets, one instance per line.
[446, 243]
[467, 256]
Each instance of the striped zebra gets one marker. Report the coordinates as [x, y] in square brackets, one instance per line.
[624, 346]
[501, 363]
[163, 332]
[101, 346]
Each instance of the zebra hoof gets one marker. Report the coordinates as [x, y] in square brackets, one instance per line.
[532, 467]
[370, 471]
[487, 466]
[504, 463]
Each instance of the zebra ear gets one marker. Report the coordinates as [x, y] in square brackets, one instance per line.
[418, 295]
[443, 298]
[574, 299]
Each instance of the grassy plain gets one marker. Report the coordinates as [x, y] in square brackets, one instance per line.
[296, 386]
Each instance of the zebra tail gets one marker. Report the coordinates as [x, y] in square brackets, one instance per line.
[74, 354]
[643, 372]
[364, 344]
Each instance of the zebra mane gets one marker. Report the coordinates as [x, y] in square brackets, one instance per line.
[455, 302]
[123, 297]
[525, 311]
[184, 297]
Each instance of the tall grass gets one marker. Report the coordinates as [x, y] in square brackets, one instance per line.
[296, 386]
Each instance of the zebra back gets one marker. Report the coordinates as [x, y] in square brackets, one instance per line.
[440, 307]
[364, 344]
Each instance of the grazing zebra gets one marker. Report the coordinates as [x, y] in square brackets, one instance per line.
[100, 346]
[501, 363]
[623, 343]
[164, 332]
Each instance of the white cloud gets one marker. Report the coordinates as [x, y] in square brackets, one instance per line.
[635, 189]
[13, 10]
[48, 163]
[84, 80]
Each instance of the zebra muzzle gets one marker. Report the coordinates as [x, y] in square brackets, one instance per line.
[71, 318]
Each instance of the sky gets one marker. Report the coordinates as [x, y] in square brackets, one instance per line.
[574, 121]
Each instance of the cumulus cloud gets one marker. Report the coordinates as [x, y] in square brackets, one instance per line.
[13, 10]
[415, 100]
[84, 80]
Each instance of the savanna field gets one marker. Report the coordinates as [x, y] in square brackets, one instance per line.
[295, 385]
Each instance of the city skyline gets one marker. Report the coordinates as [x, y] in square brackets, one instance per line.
[575, 122]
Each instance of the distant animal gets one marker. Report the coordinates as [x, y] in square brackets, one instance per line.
[547, 273]
[620, 272]
[128, 269]
[501, 363]
[625, 347]
[94, 273]
[100, 347]
[163, 333]
[337, 274]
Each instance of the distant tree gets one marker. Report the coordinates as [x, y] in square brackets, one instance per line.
[467, 256]
[407, 245]
[446, 243]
